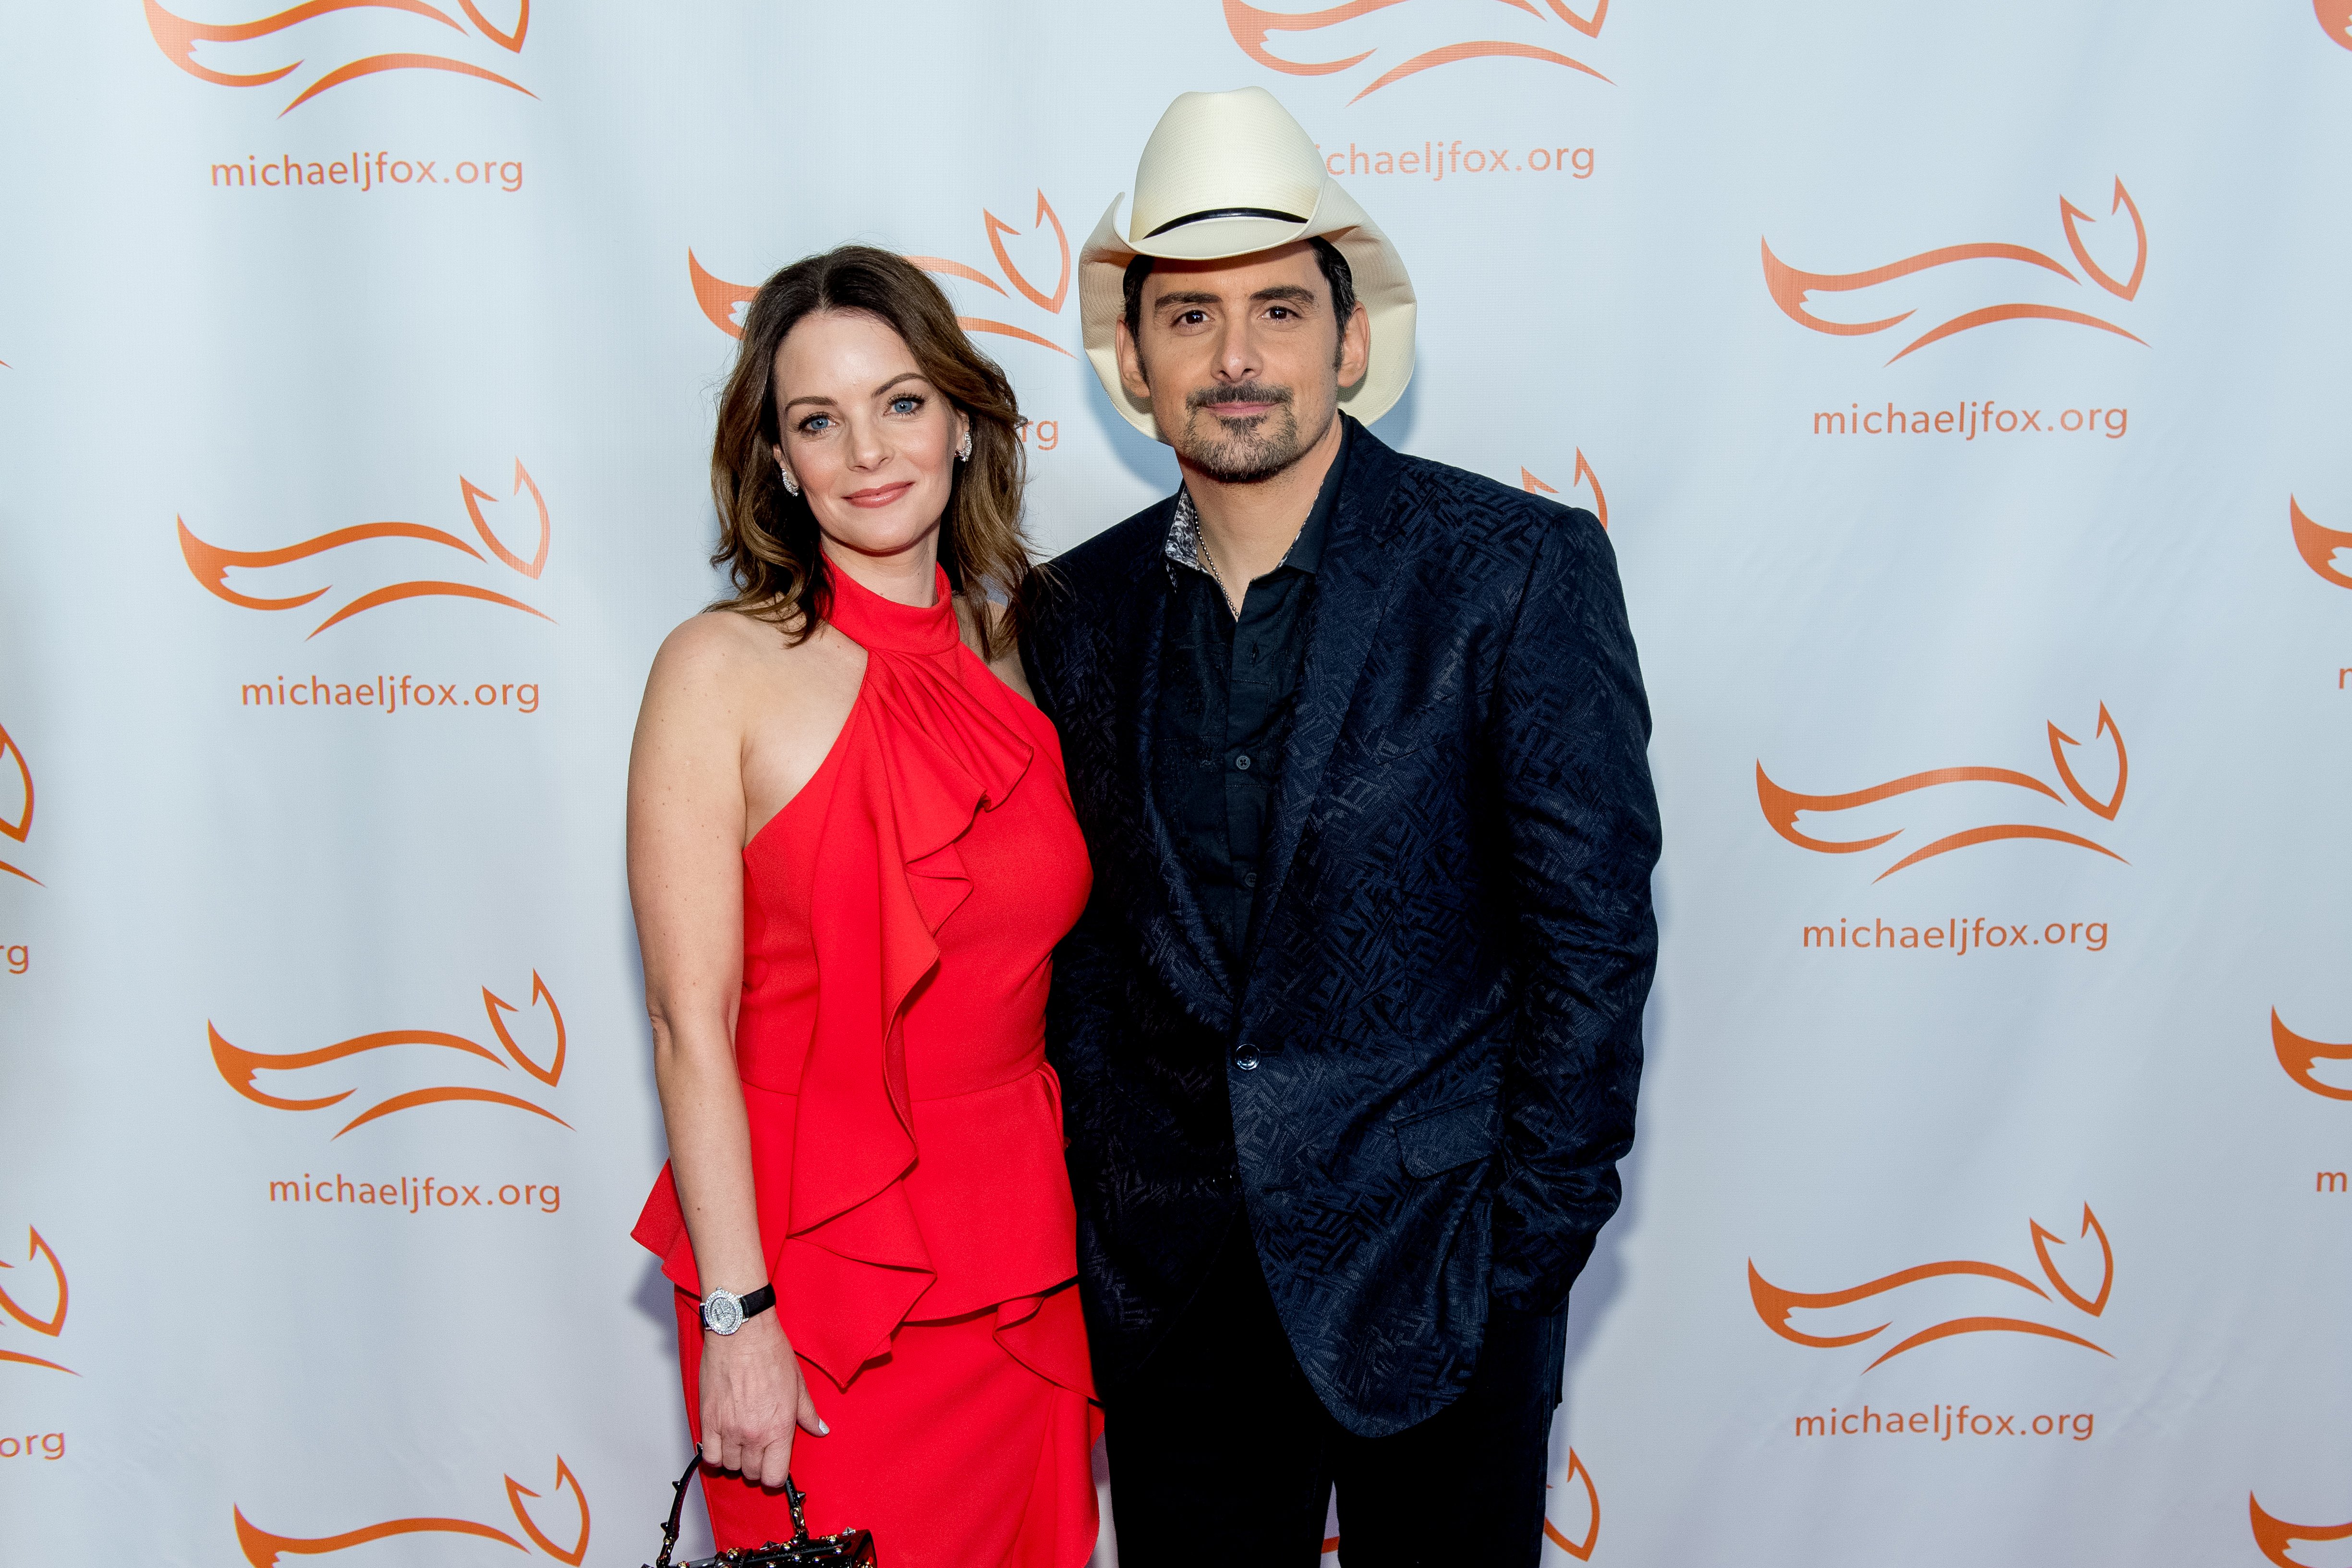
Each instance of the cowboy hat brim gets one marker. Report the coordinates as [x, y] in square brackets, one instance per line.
[1382, 287]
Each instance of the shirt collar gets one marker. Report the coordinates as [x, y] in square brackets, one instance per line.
[1305, 554]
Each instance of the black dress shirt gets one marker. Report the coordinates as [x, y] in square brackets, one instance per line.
[1227, 685]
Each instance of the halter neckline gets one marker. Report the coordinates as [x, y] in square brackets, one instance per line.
[877, 623]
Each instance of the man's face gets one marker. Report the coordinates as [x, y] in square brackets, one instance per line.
[1242, 361]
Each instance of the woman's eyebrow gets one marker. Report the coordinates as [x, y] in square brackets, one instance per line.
[821, 399]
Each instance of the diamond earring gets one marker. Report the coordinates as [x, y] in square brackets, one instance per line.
[792, 485]
[963, 452]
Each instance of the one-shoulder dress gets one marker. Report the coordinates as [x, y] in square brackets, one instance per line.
[899, 917]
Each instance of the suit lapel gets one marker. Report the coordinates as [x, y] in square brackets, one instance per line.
[1352, 589]
[1175, 934]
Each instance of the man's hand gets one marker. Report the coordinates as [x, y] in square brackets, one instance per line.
[753, 1397]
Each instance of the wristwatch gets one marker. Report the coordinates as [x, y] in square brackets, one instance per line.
[724, 1312]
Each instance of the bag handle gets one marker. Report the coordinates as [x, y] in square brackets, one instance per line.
[793, 1495]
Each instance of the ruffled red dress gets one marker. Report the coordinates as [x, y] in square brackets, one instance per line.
[899, 917]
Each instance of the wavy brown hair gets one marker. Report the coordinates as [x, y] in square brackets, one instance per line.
[768, 540]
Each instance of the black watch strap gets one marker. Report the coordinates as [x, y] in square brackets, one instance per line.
[758, 1302]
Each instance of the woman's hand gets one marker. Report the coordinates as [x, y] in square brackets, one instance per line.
[753, 1397]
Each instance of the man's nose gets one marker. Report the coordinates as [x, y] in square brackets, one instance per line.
[1238, 354]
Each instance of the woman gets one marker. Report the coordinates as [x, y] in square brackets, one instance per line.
[851, 852]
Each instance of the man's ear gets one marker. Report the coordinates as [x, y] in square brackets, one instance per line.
[1130, 363]
[1356, 346]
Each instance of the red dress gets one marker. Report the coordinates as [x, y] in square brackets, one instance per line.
[899, 917]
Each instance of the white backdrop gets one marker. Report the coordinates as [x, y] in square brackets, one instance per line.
[386, 314]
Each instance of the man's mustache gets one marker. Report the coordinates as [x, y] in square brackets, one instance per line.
[1246, 392]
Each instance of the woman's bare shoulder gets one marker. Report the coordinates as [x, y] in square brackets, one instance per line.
[1006, 664]
[718, 638]
[968, 613]
[718, 644]
[724, 660]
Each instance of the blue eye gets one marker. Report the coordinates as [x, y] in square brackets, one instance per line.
[906, 403]
[809, 425]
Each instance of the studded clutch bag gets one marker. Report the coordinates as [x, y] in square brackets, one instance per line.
[843, 1549]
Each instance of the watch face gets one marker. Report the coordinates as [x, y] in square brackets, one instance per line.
[722, 1314]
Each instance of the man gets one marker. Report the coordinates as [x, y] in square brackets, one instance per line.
[1350, 1029]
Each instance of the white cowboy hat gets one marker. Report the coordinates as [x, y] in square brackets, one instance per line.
[1226, 173]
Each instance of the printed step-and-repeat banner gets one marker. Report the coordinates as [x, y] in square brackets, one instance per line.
[1965, 389]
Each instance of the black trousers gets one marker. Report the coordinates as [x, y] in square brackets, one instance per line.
[1221, 1452]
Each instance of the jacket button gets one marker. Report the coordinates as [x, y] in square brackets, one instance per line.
[1247, 1064]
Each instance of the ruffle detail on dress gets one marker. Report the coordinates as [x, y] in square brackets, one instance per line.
[922, 754]
[1047, 1334]
[985, 1156]
[932, 758]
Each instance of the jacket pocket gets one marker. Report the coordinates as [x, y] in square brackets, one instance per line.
[1439, 1140]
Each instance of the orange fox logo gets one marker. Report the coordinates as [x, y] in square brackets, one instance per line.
[18, 826]
[2336, 19]
[178, 38]
[720, 300]
[1252, 26]
[2275, 1537]
[2318, 545]
[1782, 805]
[210, 564]
[2300, 1057]
[1791, 290]
[1583, 475]
[263, 1550]
[1581, 1548]
[49, 1327]
[1774, 1305]
[238, 1066]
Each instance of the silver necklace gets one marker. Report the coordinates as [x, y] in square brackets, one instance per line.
[1209, 559]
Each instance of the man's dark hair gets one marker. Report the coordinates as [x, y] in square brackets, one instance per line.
[1336, 274]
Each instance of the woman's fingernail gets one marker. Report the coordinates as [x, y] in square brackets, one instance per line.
[822, 1429]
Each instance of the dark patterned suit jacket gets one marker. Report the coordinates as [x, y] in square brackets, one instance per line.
[1442, 1004]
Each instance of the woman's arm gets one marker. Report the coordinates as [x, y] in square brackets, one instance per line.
[686, 819]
